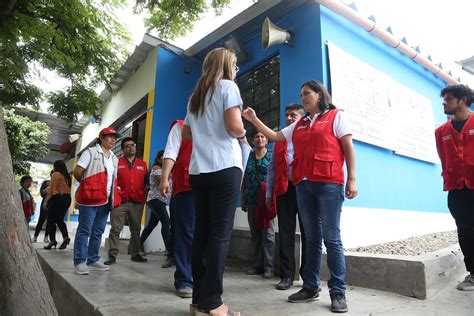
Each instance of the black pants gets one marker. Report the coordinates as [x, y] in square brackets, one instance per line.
[287, 208]
[158, 214]
[58, 205]
[172, 228]
[41, 219]
[461, 206]
[216, 200]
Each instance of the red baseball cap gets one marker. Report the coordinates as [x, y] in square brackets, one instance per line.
[109, 131]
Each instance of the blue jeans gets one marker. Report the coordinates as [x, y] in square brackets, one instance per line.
[158, 214]
[92, 221]
[184, 217]
[320, 210]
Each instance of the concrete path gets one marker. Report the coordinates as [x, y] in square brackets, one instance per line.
[132, 288]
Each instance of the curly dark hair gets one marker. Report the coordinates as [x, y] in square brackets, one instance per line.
[24, 179]
[324, 96]
[459, 91]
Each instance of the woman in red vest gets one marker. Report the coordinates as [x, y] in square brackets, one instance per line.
[322, 141]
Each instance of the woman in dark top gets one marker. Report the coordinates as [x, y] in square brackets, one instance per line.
[43, 211]
[263, 239]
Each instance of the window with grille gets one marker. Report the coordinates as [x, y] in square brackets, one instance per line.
[260, 89]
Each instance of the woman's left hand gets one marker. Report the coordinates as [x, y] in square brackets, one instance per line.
[351, 189]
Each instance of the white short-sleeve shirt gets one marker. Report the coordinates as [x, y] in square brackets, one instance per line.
[85, 159]
[214, 149]
[341, 126]
[173, 144]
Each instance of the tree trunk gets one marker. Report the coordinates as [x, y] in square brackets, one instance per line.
[23, 286]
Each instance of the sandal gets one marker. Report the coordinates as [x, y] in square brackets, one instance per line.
[193, 308]
[217, 312]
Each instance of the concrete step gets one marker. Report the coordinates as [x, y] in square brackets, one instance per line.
[132, 288]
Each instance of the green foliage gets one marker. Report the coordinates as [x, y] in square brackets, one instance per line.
[78, 99]
[173, 18]
[27, 140]
[80, 40]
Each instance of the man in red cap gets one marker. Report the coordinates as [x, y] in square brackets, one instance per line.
[132, 182]
[96, 170]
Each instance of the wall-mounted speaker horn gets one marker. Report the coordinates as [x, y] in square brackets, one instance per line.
[272, 34]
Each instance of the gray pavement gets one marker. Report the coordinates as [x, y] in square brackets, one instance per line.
[132, 288]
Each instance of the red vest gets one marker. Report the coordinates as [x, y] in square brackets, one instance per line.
[456, 151]
[92, 189]
[180, 173]
[318, 153]
[27, 202]
[280, 158]
[132, 181]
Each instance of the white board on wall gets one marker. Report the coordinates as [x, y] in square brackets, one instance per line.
[382, 112]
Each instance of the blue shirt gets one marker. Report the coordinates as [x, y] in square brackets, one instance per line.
[214, 149]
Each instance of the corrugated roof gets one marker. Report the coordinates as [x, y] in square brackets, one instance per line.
[60, 130]
[134, 61]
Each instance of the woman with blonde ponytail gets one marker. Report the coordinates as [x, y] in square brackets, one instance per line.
[214, 124]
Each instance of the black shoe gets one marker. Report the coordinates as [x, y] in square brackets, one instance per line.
[52, 243]
[338, 303]
[304, 295]
[168, 263]
[138, 258]
[110, 260]
[285, 284]
[66, 242]
[254, 271]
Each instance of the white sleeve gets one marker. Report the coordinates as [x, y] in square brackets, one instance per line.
[173, 143]
[230, 95]
[288, 131]
[85, 159]
[342, 126]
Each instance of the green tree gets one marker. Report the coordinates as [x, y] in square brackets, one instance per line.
[82, 41]
[27, 140]
[79, 40]
[173, 18]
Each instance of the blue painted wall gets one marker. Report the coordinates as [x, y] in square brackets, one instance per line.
[172, 89]
[387, 180]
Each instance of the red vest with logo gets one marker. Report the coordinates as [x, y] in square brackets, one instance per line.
[456, 151]
[132, 181]
[280, 158]
[318, 153]
[180, 171]
[92, 190]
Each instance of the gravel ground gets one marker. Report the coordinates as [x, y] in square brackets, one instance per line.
[413, 246]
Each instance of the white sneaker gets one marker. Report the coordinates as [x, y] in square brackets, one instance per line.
[97, 266]
[467, 284]
[34, 239]
[46, 239]
[81, 269]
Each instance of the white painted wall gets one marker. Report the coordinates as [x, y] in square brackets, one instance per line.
[136, 87]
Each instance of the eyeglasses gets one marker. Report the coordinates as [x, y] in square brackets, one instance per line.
[130, 146]
[237, 68]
